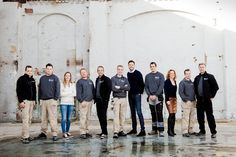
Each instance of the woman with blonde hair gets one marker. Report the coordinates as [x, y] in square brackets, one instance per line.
[170, 88]
[68, 93]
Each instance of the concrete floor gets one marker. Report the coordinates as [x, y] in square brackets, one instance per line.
[222, 146]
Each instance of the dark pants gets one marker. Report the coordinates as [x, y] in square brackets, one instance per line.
[135, 106]
[157, 117]
[205, 105]
[102, 114]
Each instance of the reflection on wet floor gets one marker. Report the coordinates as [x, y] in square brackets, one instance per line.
[125, 146]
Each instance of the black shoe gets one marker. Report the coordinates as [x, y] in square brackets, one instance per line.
[192, 133]
[132, 132]
[213, 135]
[121, 133]
[41, 136]
[54, 138]
[88, 135]
[141, 133]
[200, 134]
[25, 140]
[170, 133]
[186, 135]
[115, 135]
[83, 136]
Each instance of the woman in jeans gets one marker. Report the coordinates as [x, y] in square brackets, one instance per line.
[68, 92]
[170, 89]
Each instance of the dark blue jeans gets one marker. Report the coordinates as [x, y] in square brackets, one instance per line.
[66, 112]
[135, 106]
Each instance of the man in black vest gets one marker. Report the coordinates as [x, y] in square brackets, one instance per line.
[205, 88]
[102, 96]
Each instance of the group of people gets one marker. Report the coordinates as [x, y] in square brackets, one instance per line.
[51, 92]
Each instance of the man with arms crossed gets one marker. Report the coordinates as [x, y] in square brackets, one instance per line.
[120, 86]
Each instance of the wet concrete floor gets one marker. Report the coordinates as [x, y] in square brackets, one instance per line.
[222, 146]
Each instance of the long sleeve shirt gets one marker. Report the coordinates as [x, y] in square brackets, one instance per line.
[49, 87]
[186, 90]
[154, 84]
[84, 90]
[123, 86]
[67, 94]
[170, 90]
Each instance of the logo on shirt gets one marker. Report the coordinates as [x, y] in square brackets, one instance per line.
[157, 77]
[205, 78]
[122, 81]
[50, 80]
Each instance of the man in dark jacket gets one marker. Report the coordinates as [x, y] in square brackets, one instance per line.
[26, 93]
[205, 88]
[102, 96]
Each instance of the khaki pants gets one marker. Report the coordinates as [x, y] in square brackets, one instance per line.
[85, 112]
[49, 112]
[120, 107]
[188, 116]
[26, 117]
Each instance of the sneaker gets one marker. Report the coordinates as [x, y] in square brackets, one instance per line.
[68, 134]
[88, 135]
[153, 132]
[103, 136]
[200, 134]
[121, 133]
[115, 135]
[42, 136]
[141, 133]
[213, 135]
[83, 136]
[132, 132]
[161, 134]
[65, 135]
[186, 135]
[54, 138]
[25, 140]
